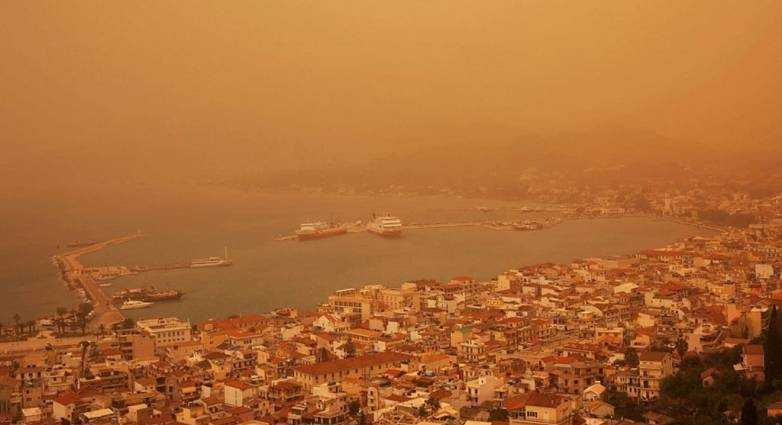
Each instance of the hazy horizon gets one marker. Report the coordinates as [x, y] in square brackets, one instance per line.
[171, 89]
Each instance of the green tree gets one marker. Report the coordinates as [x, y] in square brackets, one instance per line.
[749, 414]
[773, 347]
[60, 322]
[350, 348]
[85, 308]
[17, 318]
[631, 357]
[422, 412]
[354, 408]
[498, 415]
[624, 406]
[681, 347]
[641, 203]
[81, 319]
[128, 323]
[433, 403]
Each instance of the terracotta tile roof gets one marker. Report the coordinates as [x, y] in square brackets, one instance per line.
[533, 398]
[652, 356]
[353, 363]
[241, 385]
[66, 397]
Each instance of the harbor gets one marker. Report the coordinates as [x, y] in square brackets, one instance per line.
[88, 282]
[75, 274]
[389, 226]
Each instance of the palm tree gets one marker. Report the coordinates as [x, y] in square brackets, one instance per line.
[433, 403]
[681, 347]
[17, 319]
[82, 320]
[57, 324]
[61, 319]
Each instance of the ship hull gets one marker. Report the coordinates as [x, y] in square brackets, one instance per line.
[162, 296]
[135, 306]
[386, 233]
[201, 265]
[321, 234]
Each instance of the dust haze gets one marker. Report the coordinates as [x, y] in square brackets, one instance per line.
[171, 91]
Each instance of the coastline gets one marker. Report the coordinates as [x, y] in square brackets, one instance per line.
[259, 280]
[314, 300]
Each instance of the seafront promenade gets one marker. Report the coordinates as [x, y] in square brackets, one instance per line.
[37, 344]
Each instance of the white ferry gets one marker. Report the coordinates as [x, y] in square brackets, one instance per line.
[386, 225]
[134, 304]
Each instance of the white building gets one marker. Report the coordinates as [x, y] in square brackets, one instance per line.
[166, 331]
[237, 392]
[481, 389]
[764, 271]
[32, 415]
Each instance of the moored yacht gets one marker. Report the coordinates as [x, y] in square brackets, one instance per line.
[134, 304]
[212, 261]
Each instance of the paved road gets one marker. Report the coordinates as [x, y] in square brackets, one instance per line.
[36, 344]
[106, 313]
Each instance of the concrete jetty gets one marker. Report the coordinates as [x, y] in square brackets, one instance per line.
[492, 225]
[74, 273]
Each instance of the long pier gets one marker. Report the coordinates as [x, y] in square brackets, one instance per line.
[160, 267]
[492, 225]
[74, 273]
[77, 275]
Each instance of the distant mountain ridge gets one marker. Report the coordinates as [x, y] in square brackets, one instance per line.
[614, 153]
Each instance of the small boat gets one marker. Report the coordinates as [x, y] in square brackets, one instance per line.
[212, 261]
[134, 304]
[104, 285]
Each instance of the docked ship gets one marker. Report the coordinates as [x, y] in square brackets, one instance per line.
[318, 230]
[527, 226]
[150, 294]
[134, 304]
[161, 295]
[211, 261]
[385, 225]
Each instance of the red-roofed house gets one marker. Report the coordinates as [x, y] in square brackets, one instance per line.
[237, 393]
[536, 408]
[336, 370]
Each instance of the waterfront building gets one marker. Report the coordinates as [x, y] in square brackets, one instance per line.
[166, 331]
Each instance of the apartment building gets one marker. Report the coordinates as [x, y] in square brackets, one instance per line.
[167, 331]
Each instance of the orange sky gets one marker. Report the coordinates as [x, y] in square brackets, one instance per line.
[245, 83]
